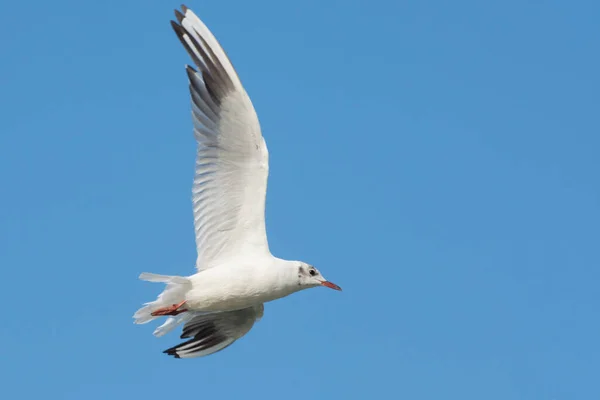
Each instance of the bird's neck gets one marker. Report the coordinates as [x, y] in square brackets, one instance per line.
[287, 275]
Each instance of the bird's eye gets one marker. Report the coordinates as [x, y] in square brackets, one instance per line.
[312, 272]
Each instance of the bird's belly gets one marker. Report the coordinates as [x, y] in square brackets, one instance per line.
[207, 295]
[205, 302]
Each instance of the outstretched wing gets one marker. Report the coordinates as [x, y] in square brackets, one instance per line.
[210, 333]
[232, 162]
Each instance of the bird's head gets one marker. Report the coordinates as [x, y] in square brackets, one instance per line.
[309, 276]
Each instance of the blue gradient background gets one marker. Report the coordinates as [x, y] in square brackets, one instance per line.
[438, 160]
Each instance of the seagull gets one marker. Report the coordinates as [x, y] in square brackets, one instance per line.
[236, 272]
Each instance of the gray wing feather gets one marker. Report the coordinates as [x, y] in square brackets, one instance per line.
[214, 332]
[232, 160]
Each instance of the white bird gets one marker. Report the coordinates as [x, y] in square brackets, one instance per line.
[236, 272]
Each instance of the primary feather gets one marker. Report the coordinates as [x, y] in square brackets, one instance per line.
[232, 163]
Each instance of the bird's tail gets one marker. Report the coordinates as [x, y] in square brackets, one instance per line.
[177, 287]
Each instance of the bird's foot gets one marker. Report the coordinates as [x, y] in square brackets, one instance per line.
[171, 310]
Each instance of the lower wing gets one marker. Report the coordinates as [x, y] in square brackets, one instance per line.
[213, 332]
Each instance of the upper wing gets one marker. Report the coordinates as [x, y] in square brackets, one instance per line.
[210, 333]
[232, 162]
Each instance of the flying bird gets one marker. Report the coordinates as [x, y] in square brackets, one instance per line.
[236, 272]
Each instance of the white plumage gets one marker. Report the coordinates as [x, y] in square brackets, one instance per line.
[236, 271]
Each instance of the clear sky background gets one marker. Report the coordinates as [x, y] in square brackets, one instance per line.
[436, 159]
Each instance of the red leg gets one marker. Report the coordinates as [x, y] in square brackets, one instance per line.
[171, 310]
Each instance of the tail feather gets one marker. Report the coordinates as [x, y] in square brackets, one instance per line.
[150, 277]
[177, 287]
[172, 322]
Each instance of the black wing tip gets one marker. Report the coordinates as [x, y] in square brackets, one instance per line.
[177, 28]
[179, 16]
[190, 70]
[172, 352]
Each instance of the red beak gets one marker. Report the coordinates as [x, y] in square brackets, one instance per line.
[331, 285]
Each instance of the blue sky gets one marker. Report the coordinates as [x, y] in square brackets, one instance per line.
[438, 160]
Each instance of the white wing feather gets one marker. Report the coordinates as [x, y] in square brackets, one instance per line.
[232, 164]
